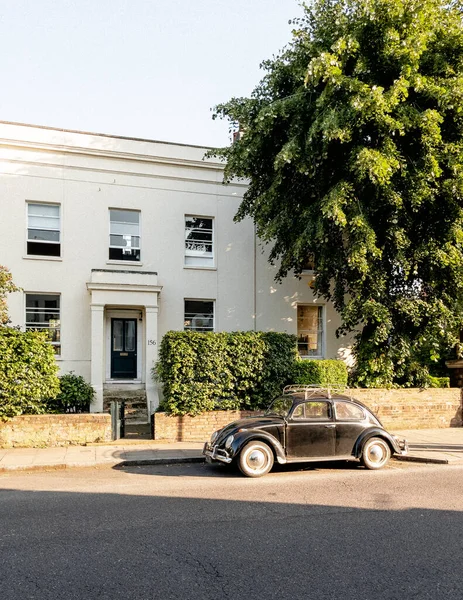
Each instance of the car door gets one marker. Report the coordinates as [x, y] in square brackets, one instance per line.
[350, 422]
[310, 430]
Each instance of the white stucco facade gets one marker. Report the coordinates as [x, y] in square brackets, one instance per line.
[85, 176]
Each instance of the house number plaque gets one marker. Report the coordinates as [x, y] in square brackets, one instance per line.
[151, 342]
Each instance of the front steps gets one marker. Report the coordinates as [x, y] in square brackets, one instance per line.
[136, 410]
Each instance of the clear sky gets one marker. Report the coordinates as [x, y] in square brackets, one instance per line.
[140, 68]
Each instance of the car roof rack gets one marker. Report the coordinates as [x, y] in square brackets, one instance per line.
[312, 390]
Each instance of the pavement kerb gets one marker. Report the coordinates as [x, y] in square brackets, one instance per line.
[105, 464]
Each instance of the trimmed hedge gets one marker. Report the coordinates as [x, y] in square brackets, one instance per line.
[206, 371]
[323, 372]
[28, 372]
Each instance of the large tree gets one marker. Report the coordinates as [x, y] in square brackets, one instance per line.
[353, 147]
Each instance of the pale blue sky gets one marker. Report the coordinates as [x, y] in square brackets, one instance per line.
[140, 68]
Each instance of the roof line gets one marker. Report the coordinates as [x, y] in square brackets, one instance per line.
[107, 135]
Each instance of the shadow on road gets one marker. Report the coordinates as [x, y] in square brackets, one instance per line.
[121, 546]
[222, 470]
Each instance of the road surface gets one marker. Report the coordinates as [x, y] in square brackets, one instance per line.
[203, 532]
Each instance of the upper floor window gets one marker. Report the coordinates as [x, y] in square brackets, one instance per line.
[43, 313]
[199, 241]
[43, 229]
[124, 234]
[199, 315]
[310, 330]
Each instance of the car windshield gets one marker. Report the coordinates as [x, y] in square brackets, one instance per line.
[280, 406]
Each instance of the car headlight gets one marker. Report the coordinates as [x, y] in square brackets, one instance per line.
[229, 441]
[214, 436]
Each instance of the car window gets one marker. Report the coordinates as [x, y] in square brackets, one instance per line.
[280, 406]
[345, 411]
[316, 411]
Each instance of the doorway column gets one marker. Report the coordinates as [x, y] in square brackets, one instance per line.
[97, 356]
[151, 349]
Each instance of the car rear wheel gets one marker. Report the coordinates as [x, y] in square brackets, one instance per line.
[255, 459]
[376, 453]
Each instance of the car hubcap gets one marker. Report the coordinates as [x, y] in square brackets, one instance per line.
[256, 459]
[376, 453]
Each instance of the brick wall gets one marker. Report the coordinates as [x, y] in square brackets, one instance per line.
[397, 409]
[415, 408]
[35, 431]
[194, 429]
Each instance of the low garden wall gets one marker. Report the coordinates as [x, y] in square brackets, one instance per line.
[397, 409]
[35, 431]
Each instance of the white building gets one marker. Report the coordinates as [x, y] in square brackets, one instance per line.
[115, 241]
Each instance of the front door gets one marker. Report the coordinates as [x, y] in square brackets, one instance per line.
[123, 348]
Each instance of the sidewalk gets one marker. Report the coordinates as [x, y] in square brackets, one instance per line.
[440, 446]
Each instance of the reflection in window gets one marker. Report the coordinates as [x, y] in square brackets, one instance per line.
[199, 242]
[43, 229]
[43, 313]
[347, 411]
[199, 315]
[130, 336]
[310, 330]
[312, 410]
[124, 235]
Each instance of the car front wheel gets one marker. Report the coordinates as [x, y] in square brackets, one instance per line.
[376, 453]
[255, 459]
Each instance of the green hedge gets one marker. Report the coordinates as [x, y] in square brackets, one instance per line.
[323, 372]
[28, 372]
[438, 382]
[75, 395]
[207, 371]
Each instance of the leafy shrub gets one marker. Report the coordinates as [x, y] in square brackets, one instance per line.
[323, 372]
[438, 382]
[28, 372]
[75, 395]
[205, 371]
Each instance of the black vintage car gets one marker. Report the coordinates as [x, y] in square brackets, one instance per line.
[305, 424]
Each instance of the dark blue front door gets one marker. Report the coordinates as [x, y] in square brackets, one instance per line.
[123, 348]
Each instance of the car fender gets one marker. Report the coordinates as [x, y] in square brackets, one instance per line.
[243, 437]
[374, 432]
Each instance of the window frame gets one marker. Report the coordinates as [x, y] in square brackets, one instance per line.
[185, 300]
[58, 355]
[131, 260]
[46, 242]
[320, 331]
[349, 419]
[212, 259]
[305, 418]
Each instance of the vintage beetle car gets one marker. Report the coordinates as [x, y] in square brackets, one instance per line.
[305, 424]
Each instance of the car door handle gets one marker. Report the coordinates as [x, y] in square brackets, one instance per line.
[330, 426]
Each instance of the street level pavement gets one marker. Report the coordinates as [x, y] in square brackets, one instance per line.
[442, 446]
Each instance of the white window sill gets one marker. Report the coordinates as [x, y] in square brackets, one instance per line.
[55, 258]
[311, 357]
[132, 263]
[202, 268]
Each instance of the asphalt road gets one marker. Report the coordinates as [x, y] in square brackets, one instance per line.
[201, 532]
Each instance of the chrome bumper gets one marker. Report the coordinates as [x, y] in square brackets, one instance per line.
[213, 453]
[403, 445]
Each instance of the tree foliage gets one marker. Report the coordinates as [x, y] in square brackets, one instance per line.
[352, 145]
[6, 287]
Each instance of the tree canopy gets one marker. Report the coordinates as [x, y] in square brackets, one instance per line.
[353, 148]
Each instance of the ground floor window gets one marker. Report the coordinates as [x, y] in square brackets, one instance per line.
[199, 315]
[43, 313]
[310, 331]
